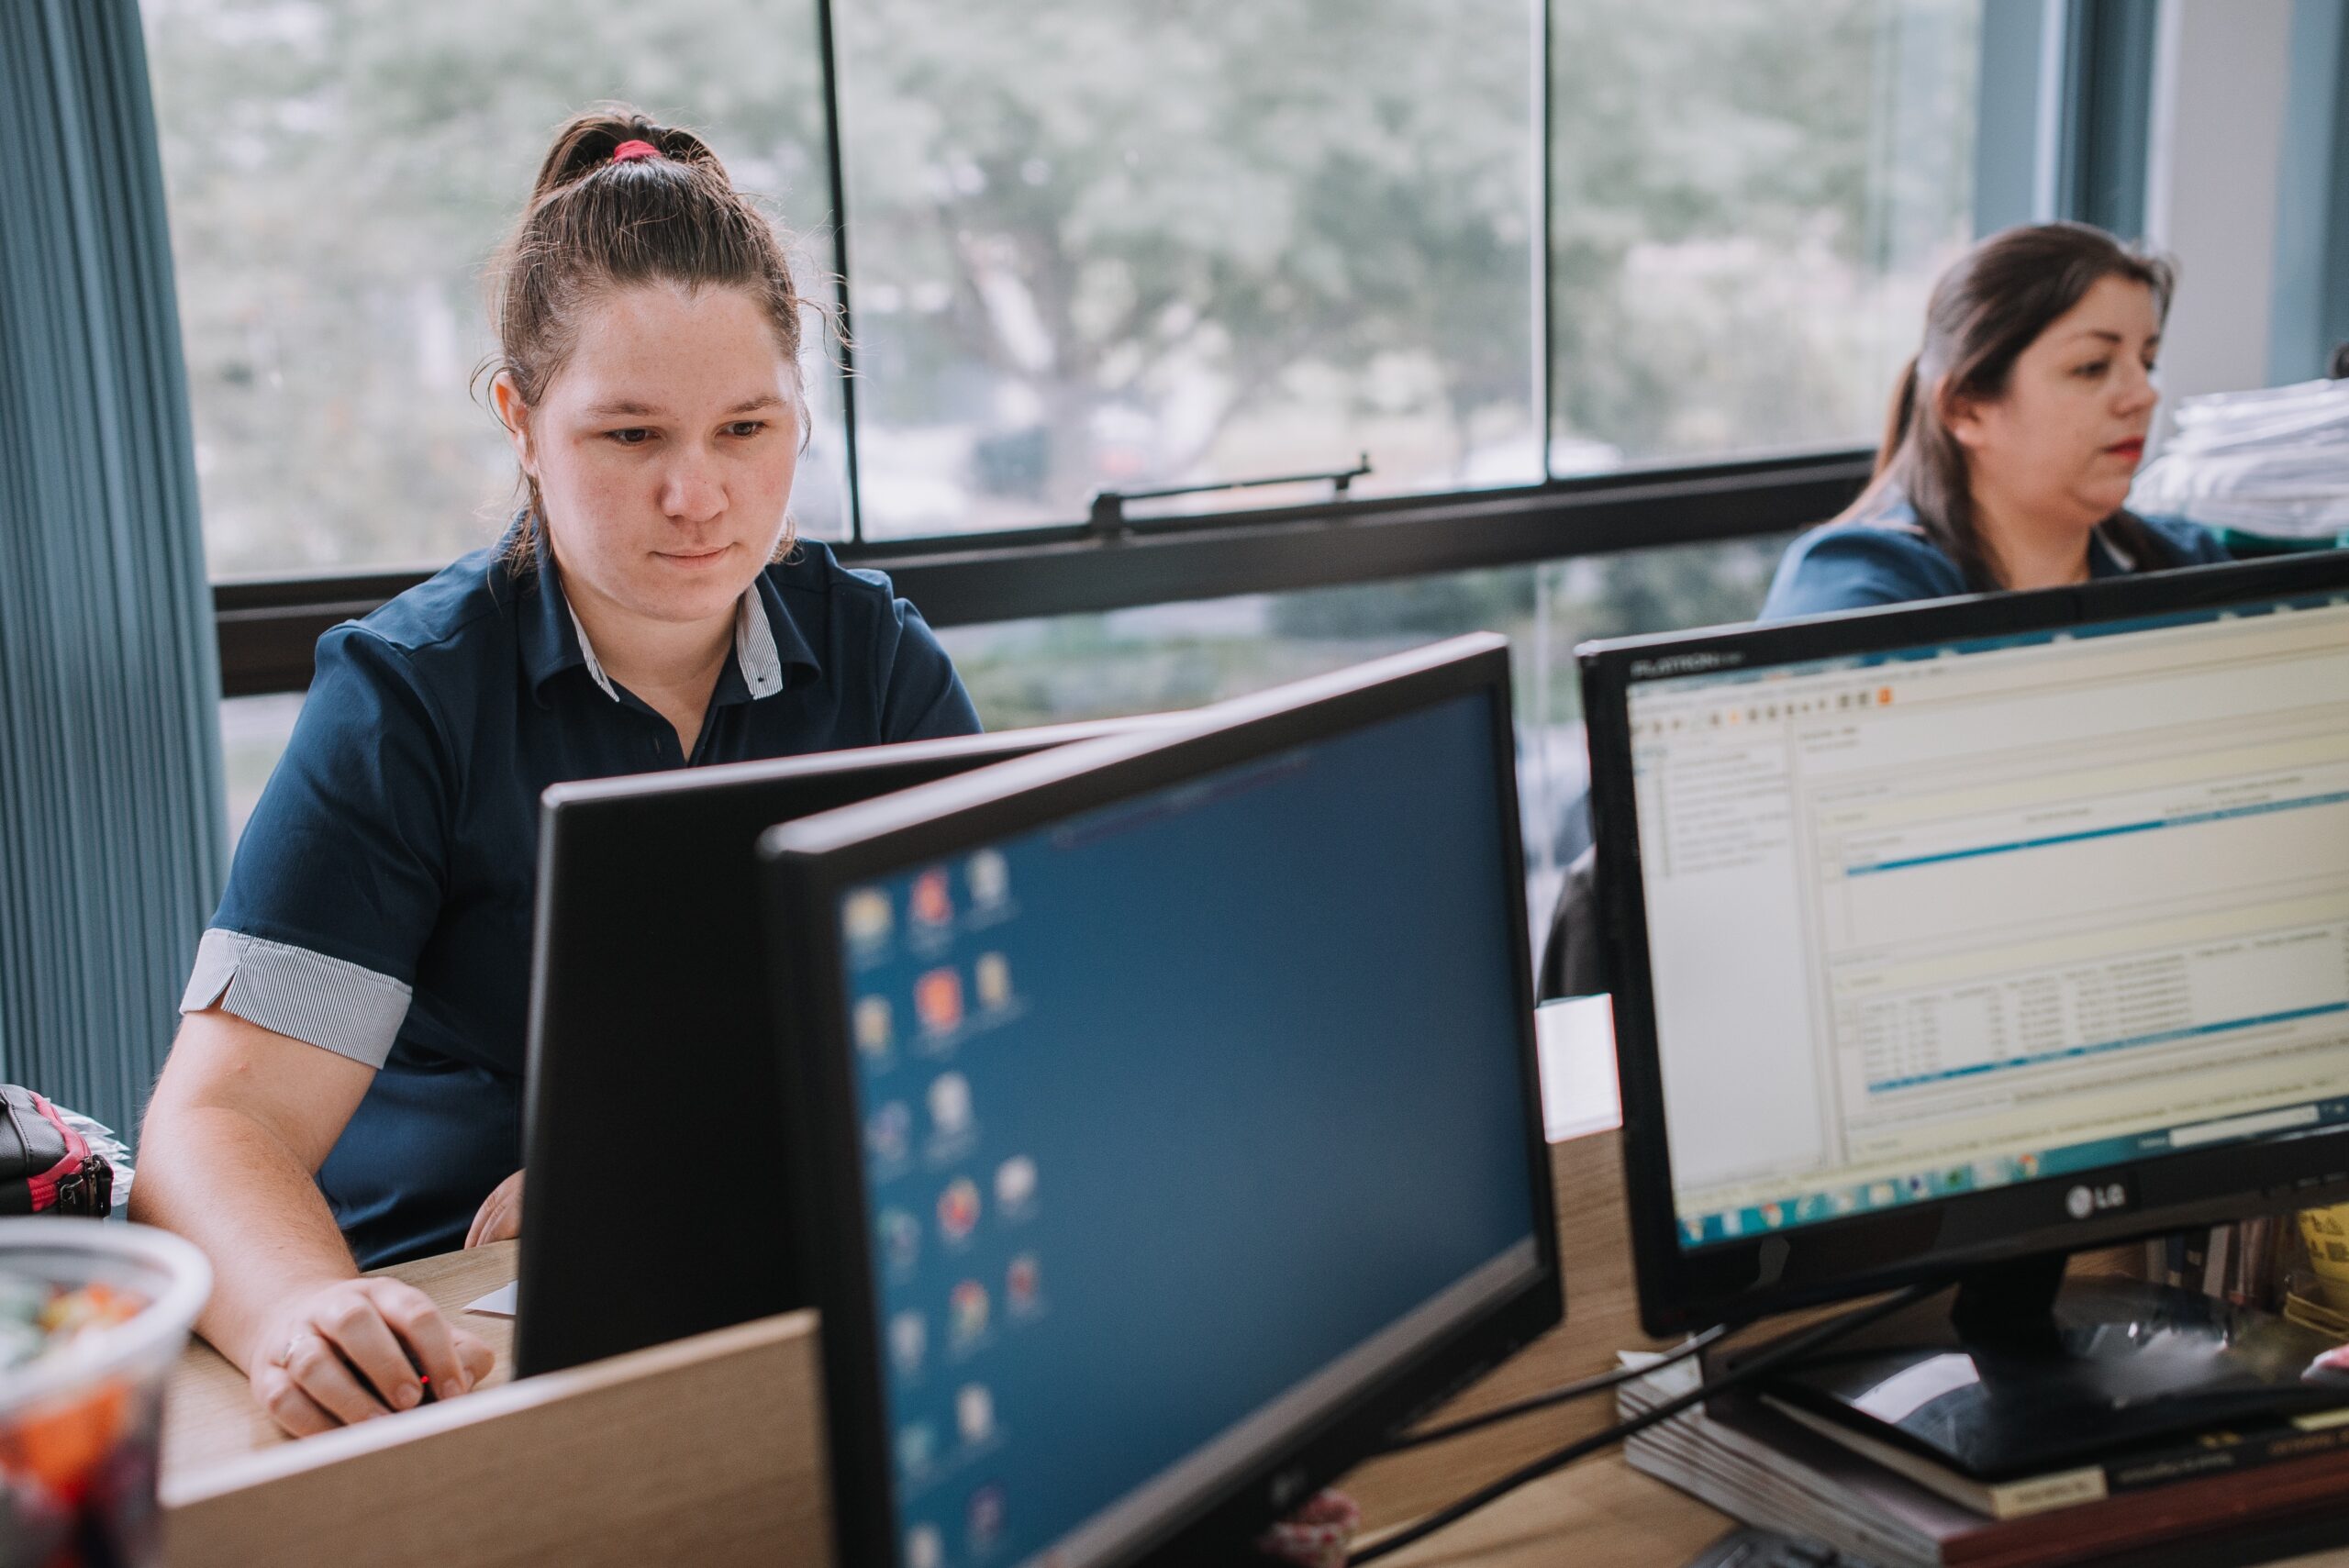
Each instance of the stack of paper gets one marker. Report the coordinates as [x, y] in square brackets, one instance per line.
[2273, 462]
[1751, 1460]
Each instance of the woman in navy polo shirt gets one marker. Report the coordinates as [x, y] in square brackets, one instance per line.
[345, 1090]
[2013, 437]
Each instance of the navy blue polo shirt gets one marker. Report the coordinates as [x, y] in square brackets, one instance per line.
[1884, 558]
[379, 903]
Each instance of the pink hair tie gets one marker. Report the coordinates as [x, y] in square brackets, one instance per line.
[630, 150]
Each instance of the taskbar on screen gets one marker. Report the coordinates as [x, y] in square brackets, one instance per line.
[1816, 1204]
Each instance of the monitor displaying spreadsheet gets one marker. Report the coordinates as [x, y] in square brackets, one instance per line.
[1929, 920]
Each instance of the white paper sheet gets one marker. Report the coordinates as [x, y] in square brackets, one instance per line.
[1578, 1046]
[496, 1303]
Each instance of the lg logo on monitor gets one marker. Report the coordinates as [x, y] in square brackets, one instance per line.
[2084, 1200]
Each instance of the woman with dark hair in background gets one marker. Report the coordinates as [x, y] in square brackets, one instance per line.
[2013, 437]
[345, 1091]
[2013, 440]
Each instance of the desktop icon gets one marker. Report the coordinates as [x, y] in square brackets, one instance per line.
[1694, 1229]
[932, 905]
[990, 879]
[1773, 1216]
[1022, 1285]
[994, 977]
[917, 1449]
[2026, 1166]
[1731, 1225]
[985, 1519]
[1015, 1187]
[1883, 1195]
[967, 1312]
[938, 999]
[909, 1341]
[874, 1028]
[900, 1239]
[886, 1130]
[958, 1209]
[925, 1548]
[950, 1105]
[975, 1413]
[866, 919]
[1846, 1201]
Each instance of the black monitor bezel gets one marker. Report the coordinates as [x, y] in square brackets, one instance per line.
[578, 1299]
[1835, 1260]
[811, 862]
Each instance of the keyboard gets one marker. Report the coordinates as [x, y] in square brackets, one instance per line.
[1768, 1549]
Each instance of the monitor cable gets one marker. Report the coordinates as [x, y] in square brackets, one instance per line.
[1696, 1344]
[1787, 1350]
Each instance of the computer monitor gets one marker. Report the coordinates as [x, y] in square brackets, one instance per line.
[652, 1113]
[1951, 939]
[1172, 1117]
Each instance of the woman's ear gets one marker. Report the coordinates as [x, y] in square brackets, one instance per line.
[515, 415]
[1961, 417]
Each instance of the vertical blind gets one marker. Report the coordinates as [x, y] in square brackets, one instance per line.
[112, 836]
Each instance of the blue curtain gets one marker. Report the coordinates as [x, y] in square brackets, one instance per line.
[113, 839]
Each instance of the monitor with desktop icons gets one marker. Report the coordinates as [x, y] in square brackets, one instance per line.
[1954, 939]
[1171, 1117]
[648, 1041]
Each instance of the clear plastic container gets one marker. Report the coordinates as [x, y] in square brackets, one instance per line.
[80, 1423]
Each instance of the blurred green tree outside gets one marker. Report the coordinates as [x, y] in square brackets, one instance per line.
[1096, 243]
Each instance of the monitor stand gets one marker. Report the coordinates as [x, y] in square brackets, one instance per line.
[2019, 1373]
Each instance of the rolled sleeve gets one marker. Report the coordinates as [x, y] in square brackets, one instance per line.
[339, 875]
[329, 1003]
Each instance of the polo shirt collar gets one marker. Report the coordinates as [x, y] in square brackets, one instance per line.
[766, 641]
[755, 653]
[2107, 557]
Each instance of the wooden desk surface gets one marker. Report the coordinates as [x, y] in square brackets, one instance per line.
[1612, 1513]
[211, 1415]
[708, 1450]
[1598, 1514]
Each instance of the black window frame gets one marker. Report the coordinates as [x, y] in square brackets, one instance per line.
[269, 626]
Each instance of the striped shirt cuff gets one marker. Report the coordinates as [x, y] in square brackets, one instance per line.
[333, 1004]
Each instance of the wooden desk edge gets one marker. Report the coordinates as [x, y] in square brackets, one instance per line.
[488, 1404]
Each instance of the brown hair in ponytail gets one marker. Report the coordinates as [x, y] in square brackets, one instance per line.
[1990, 306]
[593, 224]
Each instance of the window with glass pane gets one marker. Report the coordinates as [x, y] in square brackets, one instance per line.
[1176, 656]
[1126, 244]
[1750, 200]
[338, 171]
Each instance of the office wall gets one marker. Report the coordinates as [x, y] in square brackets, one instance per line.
[2221, 75]
[2312, 301]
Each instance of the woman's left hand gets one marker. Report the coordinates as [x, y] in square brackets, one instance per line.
[500, 1218]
